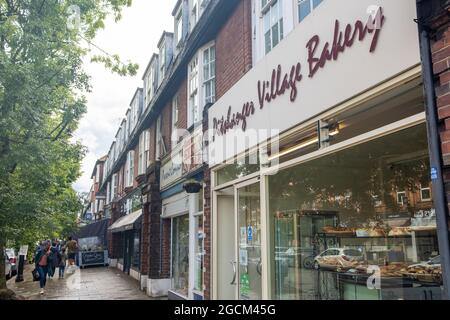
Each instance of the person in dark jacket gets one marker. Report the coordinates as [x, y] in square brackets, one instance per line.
[41, 263]
[53, 260]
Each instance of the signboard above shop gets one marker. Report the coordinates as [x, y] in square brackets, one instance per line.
[172, 170]
[337, 52]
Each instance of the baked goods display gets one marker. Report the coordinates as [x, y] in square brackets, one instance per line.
[400, 231]
[393, 270]
[425, 273]
[370, 232]
[338, 263]
[338, 230]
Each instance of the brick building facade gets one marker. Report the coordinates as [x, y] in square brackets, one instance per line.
[231, 37]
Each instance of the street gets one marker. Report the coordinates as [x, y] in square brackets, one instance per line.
[84, 284]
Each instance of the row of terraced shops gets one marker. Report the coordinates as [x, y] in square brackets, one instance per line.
[285, 149]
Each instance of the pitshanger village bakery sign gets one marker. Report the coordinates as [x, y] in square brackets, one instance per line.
[353, 57]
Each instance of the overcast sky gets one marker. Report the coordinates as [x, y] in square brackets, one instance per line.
[134, 38]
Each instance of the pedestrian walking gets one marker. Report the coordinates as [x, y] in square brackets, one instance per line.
[53, 260]
[62, 263]
[41, 262]
[72, 248]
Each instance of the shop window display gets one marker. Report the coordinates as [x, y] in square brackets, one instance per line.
[339, 230]
[135, 263]
[180, 255]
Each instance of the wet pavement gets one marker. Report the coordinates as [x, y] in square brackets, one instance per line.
[81, 284]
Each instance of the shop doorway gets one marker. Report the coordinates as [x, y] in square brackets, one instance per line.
[248, 217]
[226, 260]
[128, 241]
[239, 264]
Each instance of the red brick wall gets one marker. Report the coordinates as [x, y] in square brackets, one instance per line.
[166, 126]
[166, 250]
[145, 240]
[234, 48]
[440, 47]
[152, 142]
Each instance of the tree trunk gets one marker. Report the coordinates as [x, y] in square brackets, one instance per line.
[2, 264]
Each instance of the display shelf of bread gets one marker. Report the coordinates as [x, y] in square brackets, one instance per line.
[424, 273]
[370, 232]
[338, 263]
[393, 270]
[373, 228]
[399, 231]
[339, 231]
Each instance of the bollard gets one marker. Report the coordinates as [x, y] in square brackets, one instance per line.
[19, 277]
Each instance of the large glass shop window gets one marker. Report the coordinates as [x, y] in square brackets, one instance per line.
[135, 263]
[357, 224]
[180, 255]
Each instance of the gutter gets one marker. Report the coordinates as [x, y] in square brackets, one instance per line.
[436, 163]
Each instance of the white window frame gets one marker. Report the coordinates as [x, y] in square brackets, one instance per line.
[194, 14]
[144, 151]
[402, 201]
[162, 64]
[141, 169]
[148, 87]
[211, 77]
[108, 193]
[158, 151]
[179, 27]
[311, 5]
[135, 112]
[193, 90]
[129, 172]
[268, 10]
[114, 186]
[196, 85]
[128, 116]
[151, 81]
[175, 114]
[289, 16]
[422, 188]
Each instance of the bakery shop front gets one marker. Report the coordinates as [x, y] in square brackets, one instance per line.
[330, 195]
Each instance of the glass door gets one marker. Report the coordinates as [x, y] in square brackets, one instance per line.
[249, 271]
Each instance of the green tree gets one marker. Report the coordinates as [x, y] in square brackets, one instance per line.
[42, 45]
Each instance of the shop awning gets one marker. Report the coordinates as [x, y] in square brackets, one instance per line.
[96, 229]
[126, 223]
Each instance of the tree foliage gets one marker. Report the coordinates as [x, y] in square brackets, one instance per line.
[42, 46]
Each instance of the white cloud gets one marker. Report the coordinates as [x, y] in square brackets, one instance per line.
[134, 38]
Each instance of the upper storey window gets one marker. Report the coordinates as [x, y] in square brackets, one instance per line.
[272, 13]
[305, 7]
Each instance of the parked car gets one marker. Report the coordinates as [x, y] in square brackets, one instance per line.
[10, 253]
[8, 271]
[433, 262]
[336, 257]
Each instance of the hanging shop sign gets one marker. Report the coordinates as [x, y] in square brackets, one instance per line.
[334, 54]
[172, 170]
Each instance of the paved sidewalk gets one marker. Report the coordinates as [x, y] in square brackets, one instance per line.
[85, 284]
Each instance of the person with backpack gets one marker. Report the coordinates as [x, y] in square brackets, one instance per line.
[62, 263]
[41, 263]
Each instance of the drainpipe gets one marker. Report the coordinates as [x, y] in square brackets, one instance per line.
[436, 163]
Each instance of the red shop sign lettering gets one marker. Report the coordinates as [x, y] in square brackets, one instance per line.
[279, 83]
